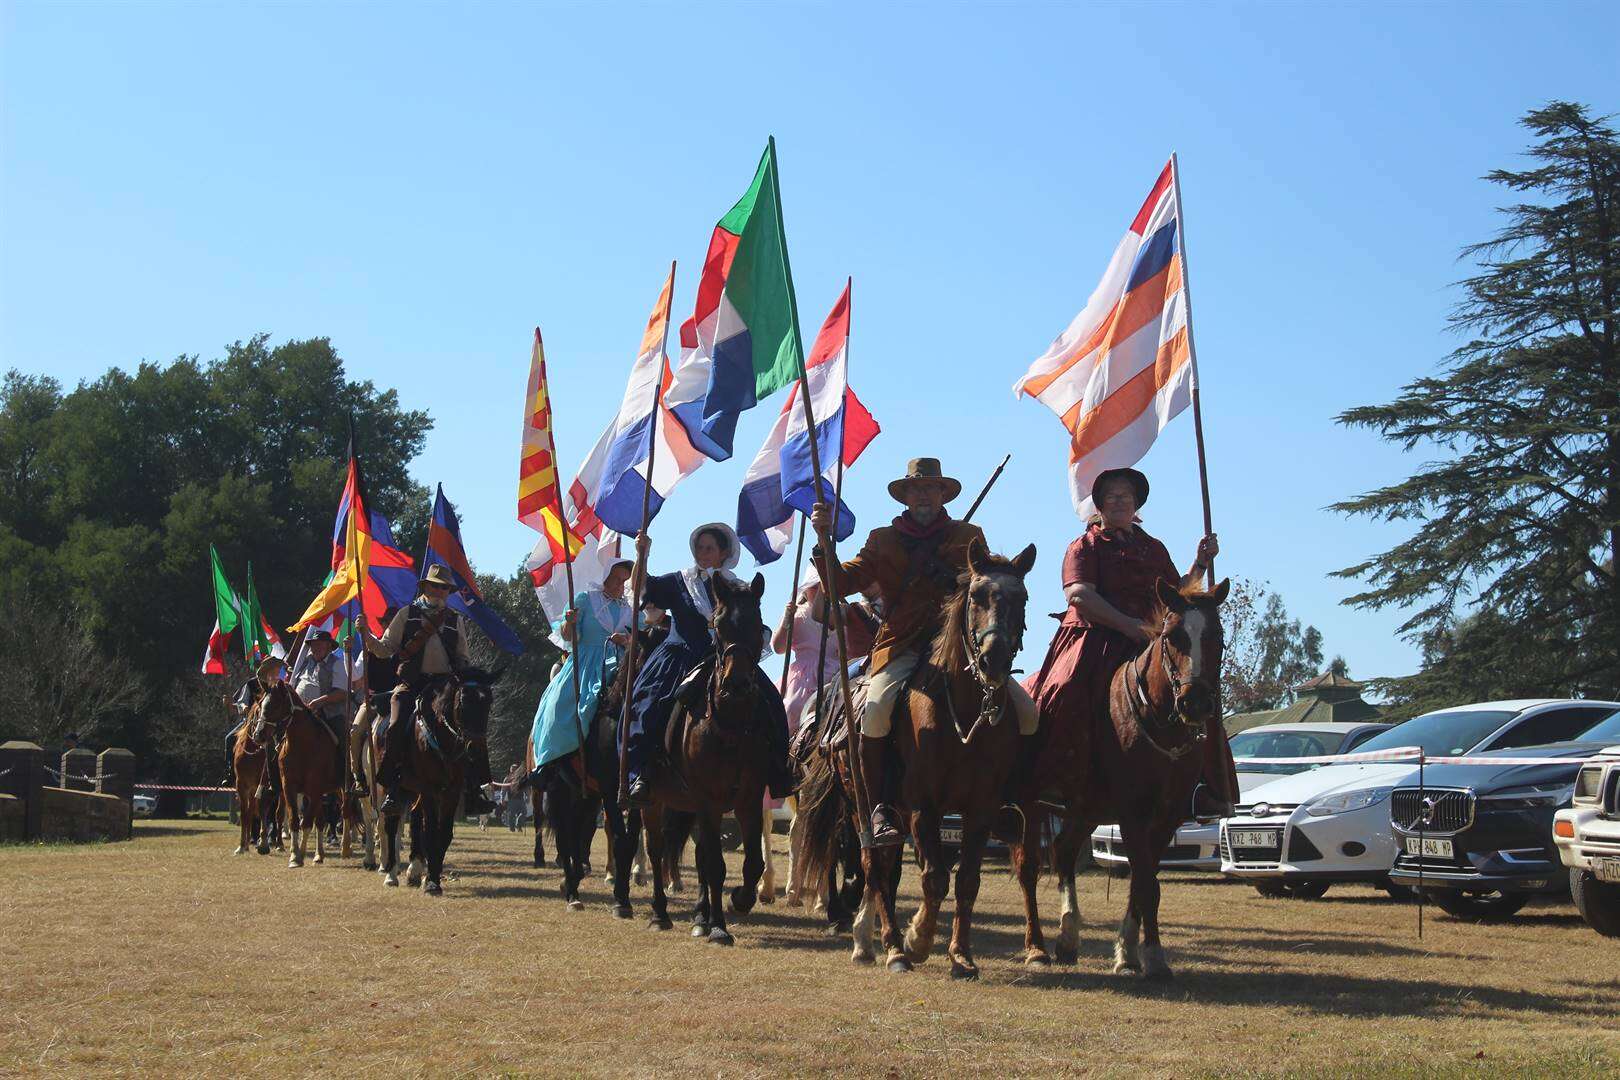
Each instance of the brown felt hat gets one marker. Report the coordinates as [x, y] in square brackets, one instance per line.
[924, 468]
[1139, 484]
[437, 574]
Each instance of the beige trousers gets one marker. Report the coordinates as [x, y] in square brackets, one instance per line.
[883, 694]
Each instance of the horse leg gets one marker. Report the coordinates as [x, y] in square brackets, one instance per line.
[413, 873]
[390, 852]
[975, 834]
[431, 812]
[591, 809]
[652, 827]
[1155, 966]
[565, 807]
[624, 833]
[701, 915]
[919, 940]
[295, 828]
[317, 809]
[1027, 864]
[368, 832]
[537, 805]
[712, 876]
[1066, 855]
[755, 838]
[1127, 949]
[767, 883]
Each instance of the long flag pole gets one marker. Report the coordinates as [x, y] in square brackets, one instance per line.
[793, 602]
[1197, 410]
[643, 542]
[568, 555]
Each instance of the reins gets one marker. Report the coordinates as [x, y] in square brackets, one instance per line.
[1136, 680]
[992, 698]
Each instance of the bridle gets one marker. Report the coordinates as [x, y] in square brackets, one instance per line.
[1136, 698]
[992, 693]
[749, 692]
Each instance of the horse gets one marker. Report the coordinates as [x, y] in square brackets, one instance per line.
[1145, 762]
[718, 760]
[308, 765]
[456, 718]
[955, 733]
[255, 744]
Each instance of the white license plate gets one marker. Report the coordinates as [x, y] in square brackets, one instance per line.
[950, 836]
[1605, 869]
[1261, 838]
[1429, 846]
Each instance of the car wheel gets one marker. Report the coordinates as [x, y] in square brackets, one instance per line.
[1271, 890]
[1597, 901]
[1478, 907]
[1397, 891]
[1308, 890]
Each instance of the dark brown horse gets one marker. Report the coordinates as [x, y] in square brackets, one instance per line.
[255, 744]
[718, 760]
[956, 733]
[1146, 758]
[308, 763]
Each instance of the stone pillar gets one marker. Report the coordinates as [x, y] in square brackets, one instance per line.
[115, 776]
[79, 770]
[22, 774]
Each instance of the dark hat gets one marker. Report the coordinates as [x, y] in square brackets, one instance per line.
[437, 574]
[1139, 484]
[269, 668]
[321, 635]
[924, 468]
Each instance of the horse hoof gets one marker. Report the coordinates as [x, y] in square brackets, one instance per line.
[840, 928]
[719, 936]
[742, 899]
[767, 897]
[1125, 967]
[539, 860]
[391, 881]
[899, 965]
[862, 957]
[622, 911]
[700, 930]
[293, 864]
[431, 888]
[963, 969]
[576, 905]
[1067, 954]
[240, 851]
[1037, 958]
[369, 864]
[319, 859]
[263, 849]
[661, 923]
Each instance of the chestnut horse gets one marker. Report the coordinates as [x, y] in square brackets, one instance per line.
[308, 762]
[1145, 761]
[718, 759]
[255, 744]
[958, 738]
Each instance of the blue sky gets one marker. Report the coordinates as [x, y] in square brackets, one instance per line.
[424, 184]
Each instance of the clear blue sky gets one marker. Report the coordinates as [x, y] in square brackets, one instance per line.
[425, 184]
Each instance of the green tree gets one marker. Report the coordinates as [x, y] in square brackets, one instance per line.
[1267, 654]
[1518, 522]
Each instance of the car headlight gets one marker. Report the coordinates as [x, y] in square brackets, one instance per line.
[1530, 796]
[1345, 801]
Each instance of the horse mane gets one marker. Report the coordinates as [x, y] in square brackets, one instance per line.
[948, 651]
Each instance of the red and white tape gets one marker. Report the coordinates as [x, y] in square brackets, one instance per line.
[178, 787]
[1413, 754]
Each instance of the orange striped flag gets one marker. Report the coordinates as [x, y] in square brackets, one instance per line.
[538, 491]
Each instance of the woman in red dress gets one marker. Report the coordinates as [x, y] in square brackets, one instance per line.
[1109, 579]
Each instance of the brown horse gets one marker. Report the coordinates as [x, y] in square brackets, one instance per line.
[308, 764]
[958, 738]
[718, 762]
[1144, 764]
[255, 744]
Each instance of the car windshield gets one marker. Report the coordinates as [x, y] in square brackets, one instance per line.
[1603, 731]
[1441, 732]
[1274, 744]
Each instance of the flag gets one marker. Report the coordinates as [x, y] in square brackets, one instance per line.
[742, 342]
[444, 547]
[227, 616]
[259, 639]
[781, 479]
[609, 488]
[1125, 365]
[366, 566]
[599, 552]
[539, 488]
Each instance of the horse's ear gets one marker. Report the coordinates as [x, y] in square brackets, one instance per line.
[976, 551]
[1024, 561]
[1221, 590]
[1170, 596]
[757, 586]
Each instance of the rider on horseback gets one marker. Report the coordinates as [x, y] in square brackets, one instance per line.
[247, 696]
[913, 564]
[321, 681]
[431, 645]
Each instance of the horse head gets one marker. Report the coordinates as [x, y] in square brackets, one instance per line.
[740, 631]
[471, 696]
[984, 622]
[1190, 645]
[276, 707]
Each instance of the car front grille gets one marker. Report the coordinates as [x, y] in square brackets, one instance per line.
[1431, 810]
[1611, 793]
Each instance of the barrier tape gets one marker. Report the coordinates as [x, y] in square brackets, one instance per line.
[1413, 754]
[179, 787]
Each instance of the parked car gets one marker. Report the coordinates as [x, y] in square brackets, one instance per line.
[1588, 837]
[143, 805]
[1303, 833]
[1197, 844]
[1478, 839]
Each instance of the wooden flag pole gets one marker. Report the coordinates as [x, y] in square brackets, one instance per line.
[643, 545]
[1197, 409]
[793, 601]
[568, 560]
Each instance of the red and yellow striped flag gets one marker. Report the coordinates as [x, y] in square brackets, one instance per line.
[538, 493]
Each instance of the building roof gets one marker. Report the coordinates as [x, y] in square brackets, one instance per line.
[1329, 698]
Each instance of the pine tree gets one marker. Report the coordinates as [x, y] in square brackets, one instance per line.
[1518, 526]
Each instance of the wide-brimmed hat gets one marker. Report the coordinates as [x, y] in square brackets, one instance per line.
[924, 468]
[270, 667]
[614, 564]
[437, 574]
[1139, 484]
[321, 635]
[733, 546]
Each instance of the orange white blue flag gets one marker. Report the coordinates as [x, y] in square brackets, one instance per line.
[1125, 365]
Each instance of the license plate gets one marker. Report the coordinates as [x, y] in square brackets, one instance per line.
[1606, 870]
[950, 836]
[1261, 838]
[1429, 846]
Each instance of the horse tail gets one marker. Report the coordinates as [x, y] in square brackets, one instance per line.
[825, 809]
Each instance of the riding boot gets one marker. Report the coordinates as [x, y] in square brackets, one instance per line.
[392, 780]
[885, 823]
[473, 796]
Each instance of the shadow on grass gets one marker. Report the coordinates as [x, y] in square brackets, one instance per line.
[175, 827]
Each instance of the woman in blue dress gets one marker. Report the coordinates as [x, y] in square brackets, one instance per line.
[685, 595]
[594, 632]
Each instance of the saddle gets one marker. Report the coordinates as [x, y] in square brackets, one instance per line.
[829, 727]
[688, 692]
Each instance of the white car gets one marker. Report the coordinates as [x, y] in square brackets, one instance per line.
[1302, 833]
[143, 805]
[1197, 844]
[1588, 839]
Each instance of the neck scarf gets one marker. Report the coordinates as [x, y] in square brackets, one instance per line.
[909, 527]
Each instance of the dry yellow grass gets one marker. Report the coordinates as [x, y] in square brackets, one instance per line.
[166, 955]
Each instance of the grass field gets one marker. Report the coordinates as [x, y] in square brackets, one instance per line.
[166, 955]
